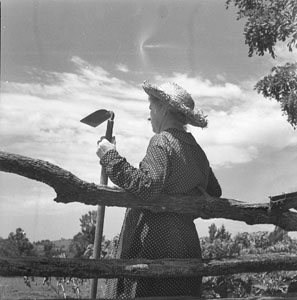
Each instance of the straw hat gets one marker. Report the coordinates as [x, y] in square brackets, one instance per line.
[178, 99]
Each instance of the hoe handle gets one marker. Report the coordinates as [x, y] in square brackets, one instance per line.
[100, 215]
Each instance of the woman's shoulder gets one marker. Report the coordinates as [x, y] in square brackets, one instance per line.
[160, 139]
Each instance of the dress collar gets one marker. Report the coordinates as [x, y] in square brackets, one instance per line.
[185, 136]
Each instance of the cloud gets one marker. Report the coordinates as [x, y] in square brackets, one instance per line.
[43, 119]
[241, 134]
[199, 87]
[122, 68]
[89, 83]
[207, 94]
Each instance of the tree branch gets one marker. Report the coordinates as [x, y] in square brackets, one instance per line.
[70, 188]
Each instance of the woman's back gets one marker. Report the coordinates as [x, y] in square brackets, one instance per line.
[189, 166]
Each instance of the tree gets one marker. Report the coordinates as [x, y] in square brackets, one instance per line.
[48, 248]
[17, 244]
[279, 235]
[82, 243]
[281, 85]
[78, 245]
[86, 237]
[88, 225]
[223, 234]
[219, 244]
[269, 22]
[212, 230]
[7, 248]
[109, 246]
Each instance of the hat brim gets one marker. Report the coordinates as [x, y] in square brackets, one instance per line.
[194, 116]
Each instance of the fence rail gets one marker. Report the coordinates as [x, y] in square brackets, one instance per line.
[280, 297]
[140, 268]
[70, 188]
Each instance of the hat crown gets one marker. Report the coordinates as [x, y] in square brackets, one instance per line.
[178, 94]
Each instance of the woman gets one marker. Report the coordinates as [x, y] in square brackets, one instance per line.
[175, 165]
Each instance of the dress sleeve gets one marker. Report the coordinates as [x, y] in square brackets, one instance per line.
[213, 186]
[145, 182]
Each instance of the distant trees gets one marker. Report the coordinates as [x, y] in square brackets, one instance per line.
[7, 248]
[17, 244]
[79, 245]
[220, 244]
[88, 225]
[82, 242]
[269, 22]
[86, 236]
[47, 248]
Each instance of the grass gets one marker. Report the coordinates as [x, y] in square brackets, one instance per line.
[15, 288]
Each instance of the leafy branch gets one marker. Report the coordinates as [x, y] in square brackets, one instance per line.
[268, 22]
[281, 85]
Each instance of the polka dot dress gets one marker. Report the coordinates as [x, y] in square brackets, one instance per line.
[174, 164]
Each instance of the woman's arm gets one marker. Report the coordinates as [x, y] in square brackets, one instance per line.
[146, 181]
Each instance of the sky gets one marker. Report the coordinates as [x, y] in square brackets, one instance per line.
[62, 60]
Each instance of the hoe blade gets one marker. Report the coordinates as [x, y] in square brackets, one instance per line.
[97, 117]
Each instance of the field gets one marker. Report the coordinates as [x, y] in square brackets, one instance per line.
[15, 288]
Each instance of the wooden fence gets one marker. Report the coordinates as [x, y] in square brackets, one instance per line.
[70, 188]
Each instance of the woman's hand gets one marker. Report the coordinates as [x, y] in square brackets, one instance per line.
[103, 146]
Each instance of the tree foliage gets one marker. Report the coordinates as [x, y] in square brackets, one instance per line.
[48, 248]
[219, 244]
[86, 236]
[281, 85]
[17, 244]
[7, 248]
[88, 225]
[82, 243]
[268, 21]
[79, 245]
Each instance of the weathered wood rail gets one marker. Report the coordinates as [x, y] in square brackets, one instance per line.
[70, 188]
[139, 268]
[280, 297]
